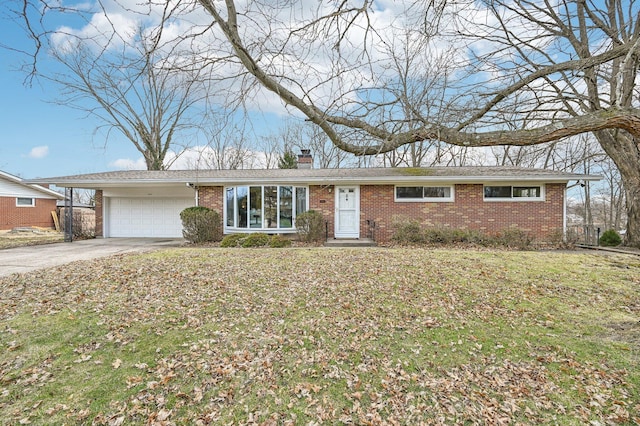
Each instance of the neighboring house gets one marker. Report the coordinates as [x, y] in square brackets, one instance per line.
[25, 204]
[356, 203]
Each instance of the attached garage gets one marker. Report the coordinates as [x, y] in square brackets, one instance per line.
[145, 217]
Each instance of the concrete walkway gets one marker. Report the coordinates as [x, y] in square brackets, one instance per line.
[31, 258]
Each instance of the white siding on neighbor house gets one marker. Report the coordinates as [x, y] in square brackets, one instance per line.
[12, 189]
[145, 217]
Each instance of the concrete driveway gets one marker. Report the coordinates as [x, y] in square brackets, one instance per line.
[31, 258]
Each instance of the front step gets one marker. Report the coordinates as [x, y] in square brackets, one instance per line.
[350, 242]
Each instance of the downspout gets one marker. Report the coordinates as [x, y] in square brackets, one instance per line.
[564, 215]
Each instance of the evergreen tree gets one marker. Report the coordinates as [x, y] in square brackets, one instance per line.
[288, 160]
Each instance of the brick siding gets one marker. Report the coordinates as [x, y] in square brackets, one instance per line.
[212, 197]
[322, 199]
[12, 216]
[541, 219]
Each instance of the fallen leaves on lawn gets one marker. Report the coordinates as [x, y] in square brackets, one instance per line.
[312, 336]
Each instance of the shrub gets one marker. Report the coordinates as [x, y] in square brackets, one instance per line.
[454, 236]
[200, 224]
[278, 241]
[233, 240]
[472, 236]
[610, 238]
[408, 232]
[514, 238]
[256, 239]
[411, 232]
[310, 226]
[442, 235]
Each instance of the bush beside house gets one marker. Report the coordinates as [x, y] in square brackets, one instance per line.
[310, 226]
[201, 225]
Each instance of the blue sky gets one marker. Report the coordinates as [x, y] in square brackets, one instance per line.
[39, 138]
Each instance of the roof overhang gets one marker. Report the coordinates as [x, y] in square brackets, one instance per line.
[316, 177]
[31, 184]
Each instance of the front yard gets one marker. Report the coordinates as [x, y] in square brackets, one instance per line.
[9, 239]
[324, 336]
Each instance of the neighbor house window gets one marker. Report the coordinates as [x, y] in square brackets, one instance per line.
[424, 193]
[521, 193]
[25, 202]
[269, 207]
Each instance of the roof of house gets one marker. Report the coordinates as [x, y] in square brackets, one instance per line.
[32, 187]
[395, 175]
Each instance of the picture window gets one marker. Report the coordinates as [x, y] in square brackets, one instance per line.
[267, 207]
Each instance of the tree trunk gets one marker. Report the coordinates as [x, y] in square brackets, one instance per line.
[624, 150]
[632, 193]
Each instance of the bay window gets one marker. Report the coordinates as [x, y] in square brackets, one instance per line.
[264, 207]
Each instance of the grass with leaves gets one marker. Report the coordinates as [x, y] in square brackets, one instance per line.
[323, 336]
[21, 239]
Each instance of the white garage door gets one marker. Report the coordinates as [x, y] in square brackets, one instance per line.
[146, 217]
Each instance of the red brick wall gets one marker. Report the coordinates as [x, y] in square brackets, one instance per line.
[541, 219]
[12, 216]
[212, 197]
[99, 213]
[322, 199]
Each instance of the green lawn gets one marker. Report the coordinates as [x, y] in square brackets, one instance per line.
[324, 336]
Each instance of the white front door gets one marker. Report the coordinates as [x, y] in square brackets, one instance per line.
[347, 212]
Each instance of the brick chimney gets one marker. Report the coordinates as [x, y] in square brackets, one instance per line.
[305, 160]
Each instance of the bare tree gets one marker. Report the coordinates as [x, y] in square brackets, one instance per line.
[226, 147]
[610, 196]
[272, 148]
[123, 73]
[137, 93]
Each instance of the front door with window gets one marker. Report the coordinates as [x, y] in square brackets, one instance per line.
[347, 223]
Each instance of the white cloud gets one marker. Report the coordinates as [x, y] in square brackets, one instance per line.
[307, 56]
[100, 32]
[39, 152]
[129, 164]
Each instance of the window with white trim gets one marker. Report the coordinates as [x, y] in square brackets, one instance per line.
[25, 202]
[423, 193]
[514, 193]
[264, 207]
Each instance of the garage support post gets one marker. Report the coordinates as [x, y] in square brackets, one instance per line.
[68, 215]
